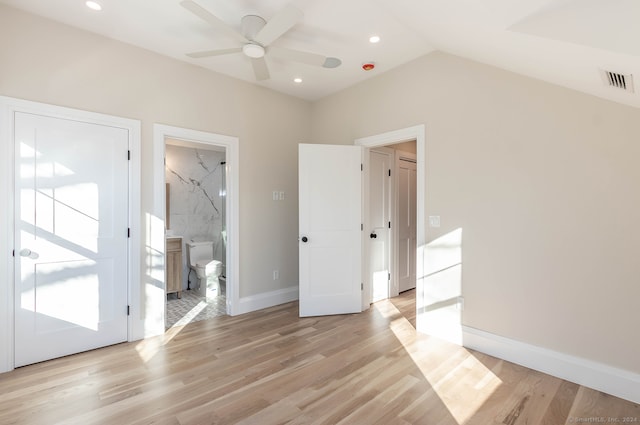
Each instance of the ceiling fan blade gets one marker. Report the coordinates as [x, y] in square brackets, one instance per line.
[282, 22]
[219, 52]
[260, 69]
[297, 56]
[215, 22]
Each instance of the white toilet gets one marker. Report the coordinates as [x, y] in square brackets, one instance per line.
[208, 270]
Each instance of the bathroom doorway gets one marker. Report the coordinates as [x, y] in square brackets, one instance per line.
[163, 249]
[195, 221]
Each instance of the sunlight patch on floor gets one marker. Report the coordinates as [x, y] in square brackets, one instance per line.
[483, 380]
[187, 318]
[148, 348]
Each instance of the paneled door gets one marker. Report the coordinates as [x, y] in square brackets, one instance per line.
[406, 229]
[380, 164]
[71, 227]
[330, 220]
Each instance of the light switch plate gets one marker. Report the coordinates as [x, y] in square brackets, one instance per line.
[434, 221]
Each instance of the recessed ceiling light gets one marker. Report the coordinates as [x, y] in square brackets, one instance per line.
[93, 5]
[297, 80]
[331, 62]
[374, 39]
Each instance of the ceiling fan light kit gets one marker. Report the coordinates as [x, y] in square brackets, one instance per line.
[256, 37]
[253, 50]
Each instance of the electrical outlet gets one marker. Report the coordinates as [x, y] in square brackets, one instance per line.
[276, 274]
[281, 196]
[275, 195]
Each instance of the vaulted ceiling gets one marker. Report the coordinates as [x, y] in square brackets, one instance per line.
[570, 43]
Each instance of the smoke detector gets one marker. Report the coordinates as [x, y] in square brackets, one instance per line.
[368, 66]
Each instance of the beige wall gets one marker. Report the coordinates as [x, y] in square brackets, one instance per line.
[543, 182]
[47, 62]
[541, 179]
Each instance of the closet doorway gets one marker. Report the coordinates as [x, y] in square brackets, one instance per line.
[392, 195]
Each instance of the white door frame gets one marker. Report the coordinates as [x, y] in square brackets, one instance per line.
[8, 107]
[416, 133]
[231, 144]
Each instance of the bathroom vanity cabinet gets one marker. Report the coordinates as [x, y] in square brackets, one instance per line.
[174, 265]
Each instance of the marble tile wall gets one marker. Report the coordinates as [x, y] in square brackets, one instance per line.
[196, 193]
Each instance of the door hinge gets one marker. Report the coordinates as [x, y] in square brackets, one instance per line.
[361, 167]
[128, 232]
[389, 276]
[128, 311]
[14, 253]
[389, 225]
[128, 155]
[361, 227]
[389, 172]
[361, 286]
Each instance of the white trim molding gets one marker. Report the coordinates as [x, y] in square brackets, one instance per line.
[231, 144]
[267, 299]
[618, 382]
[417, 133]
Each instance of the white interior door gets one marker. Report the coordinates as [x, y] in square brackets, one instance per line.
[330, 219]
[380, 162]
[406, 223]
[71, 209]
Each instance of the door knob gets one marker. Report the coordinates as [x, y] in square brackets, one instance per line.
[25, 252]
[373, 235]
[305, 239]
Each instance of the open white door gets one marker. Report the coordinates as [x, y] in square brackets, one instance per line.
[330, 220]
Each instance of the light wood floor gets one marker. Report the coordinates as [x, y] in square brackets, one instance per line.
[271, 367]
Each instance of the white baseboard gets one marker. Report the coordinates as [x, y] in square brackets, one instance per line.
[599, 376]
[267, 299]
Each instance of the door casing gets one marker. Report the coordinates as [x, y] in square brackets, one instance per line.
[416, 133]
[162, 132]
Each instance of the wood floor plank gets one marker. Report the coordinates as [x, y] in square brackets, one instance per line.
[273, 367]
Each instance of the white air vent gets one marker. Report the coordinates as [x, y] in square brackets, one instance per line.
[618, 81]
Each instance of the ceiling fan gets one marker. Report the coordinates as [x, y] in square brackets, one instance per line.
[256, 37]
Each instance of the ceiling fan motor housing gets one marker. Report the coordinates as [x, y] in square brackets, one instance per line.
[251, 26]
